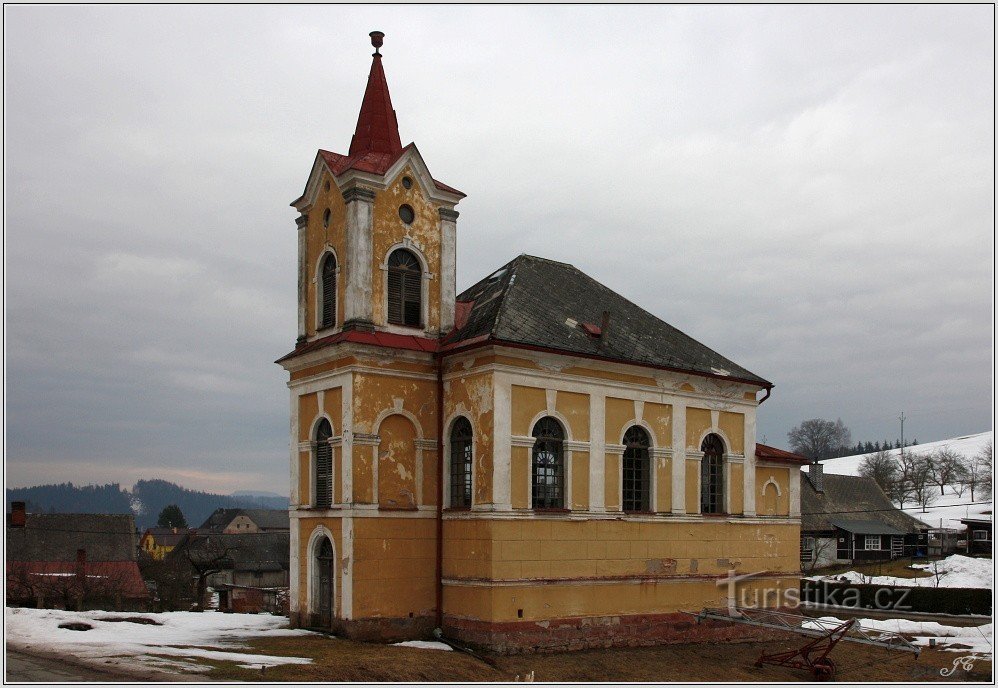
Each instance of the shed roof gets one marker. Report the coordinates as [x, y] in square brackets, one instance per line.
[864, 527]
[851, 499]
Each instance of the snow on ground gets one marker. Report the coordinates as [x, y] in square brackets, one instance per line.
[955, 571]
[167, 647]
[976, 639]
[949, 507]
[425, 644]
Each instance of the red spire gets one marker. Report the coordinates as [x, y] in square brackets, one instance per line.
[377, 127]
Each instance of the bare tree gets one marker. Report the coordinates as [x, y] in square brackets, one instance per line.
[922, 487]
[818, 438]
[977, 471]
[207, 555]
[945, 467]
[882, 467]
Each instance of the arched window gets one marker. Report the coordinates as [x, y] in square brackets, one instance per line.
[637, 470]
[712, 475]
[327, 287]
[548, 465]
[405, 289]
[323, 465]
[460, 463]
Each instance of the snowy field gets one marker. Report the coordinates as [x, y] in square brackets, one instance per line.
[949, 507]
[955, 571]
[175, 644]
[976, 639]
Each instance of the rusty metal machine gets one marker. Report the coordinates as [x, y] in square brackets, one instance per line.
[824, 634]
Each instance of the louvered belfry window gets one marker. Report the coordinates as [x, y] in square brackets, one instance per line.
[548, 465]
[329, 291]
[460, 463]
[405, 289]
[637, 470]
[323, 465]
[712, 475]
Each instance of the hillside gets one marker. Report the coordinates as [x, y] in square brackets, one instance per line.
[145, 500]
[948, 507]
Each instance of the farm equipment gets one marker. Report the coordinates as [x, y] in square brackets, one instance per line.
[825, 635]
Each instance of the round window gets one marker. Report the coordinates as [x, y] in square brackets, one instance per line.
[407, 182]
[325, 218]
[407, 214]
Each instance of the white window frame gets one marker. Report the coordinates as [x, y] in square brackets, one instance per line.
[981, 536]
[866, 543]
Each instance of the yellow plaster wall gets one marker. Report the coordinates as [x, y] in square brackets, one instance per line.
[663, 490]
[580, 480]
[519, 472]
[697, 423]
[388, 230]
[373, 394]
[317, 238]
[525, 403]
[323, 368]
[733, 426]
[304, 477]
[736, 487]
[618, 413]
[659, 417]
[575, 407]
[471, 396]
[611, 482]
[394, 567]
[308, 411]
[670, 555]
[692, 486]
[769, 501]
[609, 375]
[397, 463]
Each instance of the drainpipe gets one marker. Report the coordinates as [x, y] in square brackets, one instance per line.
[769, 390]
[440, 494]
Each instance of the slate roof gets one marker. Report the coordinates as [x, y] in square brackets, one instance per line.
[248, 551]
[529, 300]
[854, 500]
[57, 537]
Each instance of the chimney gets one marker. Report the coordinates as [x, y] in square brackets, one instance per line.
[815, 473]
[17, 515]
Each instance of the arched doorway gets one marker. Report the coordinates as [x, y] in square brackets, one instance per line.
[324, 568]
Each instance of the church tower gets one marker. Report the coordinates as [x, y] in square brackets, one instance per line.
[376, 292]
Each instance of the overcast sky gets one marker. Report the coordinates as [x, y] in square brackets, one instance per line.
[807, 190]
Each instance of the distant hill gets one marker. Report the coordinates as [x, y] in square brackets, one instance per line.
[145, 500]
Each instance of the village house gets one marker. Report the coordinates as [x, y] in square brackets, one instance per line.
[73, 561]
[158, 542]
[534, 462]
[847, 519]
[246, 521]
[979, 535]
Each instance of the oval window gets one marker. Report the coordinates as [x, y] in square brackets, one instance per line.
[325, 218]
[407, 214]
[407, 182]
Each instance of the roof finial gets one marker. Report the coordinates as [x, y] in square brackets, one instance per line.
[377, 40]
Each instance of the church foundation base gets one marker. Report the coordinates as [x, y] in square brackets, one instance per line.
[375, 630]
[560, 635]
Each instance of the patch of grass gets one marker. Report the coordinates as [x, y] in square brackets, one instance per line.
[335, 659]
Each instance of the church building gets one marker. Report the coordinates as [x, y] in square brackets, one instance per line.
[532, 463]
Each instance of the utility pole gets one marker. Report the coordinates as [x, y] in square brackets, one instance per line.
[901, 418]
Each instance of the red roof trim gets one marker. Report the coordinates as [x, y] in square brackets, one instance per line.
[384, 339]
[764, 451]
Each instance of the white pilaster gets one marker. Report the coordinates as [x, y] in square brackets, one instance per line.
[294, 563]
[678, 457]
[502, 438]
[295, 462]
[359, 258]
[448, 267]
[794, 492]
[346, 444]
[597, 452]
[346, 560]
[302, 222]
[749, 465]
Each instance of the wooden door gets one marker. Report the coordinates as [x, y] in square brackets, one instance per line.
[325, 570]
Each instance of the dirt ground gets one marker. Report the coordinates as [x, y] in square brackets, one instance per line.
[894, 567]
[344, 660]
